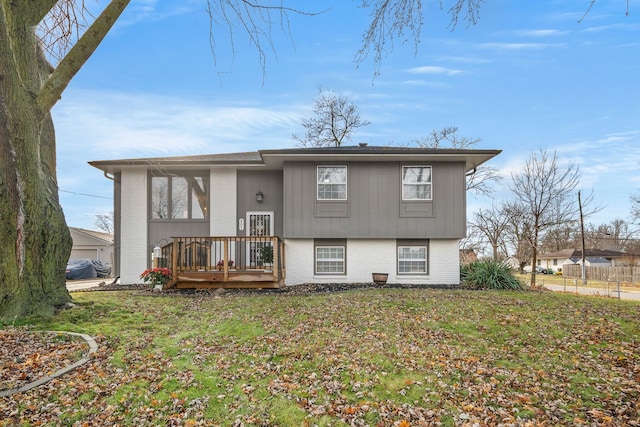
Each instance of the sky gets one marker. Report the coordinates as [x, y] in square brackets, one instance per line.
[528, 76]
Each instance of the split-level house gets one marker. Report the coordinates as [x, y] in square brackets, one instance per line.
[283, 217]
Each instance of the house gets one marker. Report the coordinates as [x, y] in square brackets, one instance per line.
[593, 258]
[326, 215]
[90, 244]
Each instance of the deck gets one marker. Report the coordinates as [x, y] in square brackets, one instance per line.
[223, 262]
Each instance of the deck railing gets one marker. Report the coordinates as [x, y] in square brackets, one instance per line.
[225, 259]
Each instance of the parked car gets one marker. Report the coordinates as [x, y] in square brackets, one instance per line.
[539, 270]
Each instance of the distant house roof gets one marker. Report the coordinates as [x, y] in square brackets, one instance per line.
[588, 253]
[274, 159]
[97, 235]
[591, 260]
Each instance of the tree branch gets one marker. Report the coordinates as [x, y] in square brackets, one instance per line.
[36, 11]
[79, 54]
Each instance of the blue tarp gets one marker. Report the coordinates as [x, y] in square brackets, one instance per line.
[79, 268]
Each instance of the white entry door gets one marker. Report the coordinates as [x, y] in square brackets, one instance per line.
[259, 228]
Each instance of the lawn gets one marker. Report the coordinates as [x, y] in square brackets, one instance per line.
[404, 357]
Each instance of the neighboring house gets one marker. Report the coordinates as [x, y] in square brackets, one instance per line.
[90, 244]
[339, 214]
[593, 258]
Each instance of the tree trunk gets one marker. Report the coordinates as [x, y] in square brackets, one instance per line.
[34, 239]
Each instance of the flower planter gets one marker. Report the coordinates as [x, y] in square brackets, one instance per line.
[379, 278]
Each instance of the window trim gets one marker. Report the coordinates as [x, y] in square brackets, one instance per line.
[412, 244]
[187, 175]
[430, 183]
[346, 181]
[316, 260]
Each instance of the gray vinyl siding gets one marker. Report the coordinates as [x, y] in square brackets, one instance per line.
[374, 208]
[270, 184]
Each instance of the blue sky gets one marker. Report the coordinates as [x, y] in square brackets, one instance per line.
[528, 76]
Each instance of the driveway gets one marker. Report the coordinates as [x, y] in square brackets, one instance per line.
[77, 285]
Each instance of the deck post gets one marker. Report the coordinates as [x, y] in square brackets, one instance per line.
[225, 264]
[174, 259]
[274, 261]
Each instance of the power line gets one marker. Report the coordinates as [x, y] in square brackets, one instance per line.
[84, 194]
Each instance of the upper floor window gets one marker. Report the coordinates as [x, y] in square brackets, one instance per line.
[332, 183]
[416, 183]
[179, 197]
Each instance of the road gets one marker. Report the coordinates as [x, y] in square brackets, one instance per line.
[611, 292]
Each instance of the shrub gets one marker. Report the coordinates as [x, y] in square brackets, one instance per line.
[489, 275]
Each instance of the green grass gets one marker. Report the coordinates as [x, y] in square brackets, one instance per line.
[352, 358]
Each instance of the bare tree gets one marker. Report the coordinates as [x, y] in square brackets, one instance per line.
[34, 239]
[518, 235]
[334, 121]
[635, 207]
[545, 189]
[492, 224]
[392, 19]
[104, 222]
[479, 180]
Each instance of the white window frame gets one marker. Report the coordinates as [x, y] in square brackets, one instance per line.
[318, 260]
[429, 184]
[318, 183]
[413, 260]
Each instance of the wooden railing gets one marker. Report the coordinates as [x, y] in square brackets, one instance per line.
[224, 259]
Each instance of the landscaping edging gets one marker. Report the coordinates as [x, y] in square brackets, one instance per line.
[93, 347]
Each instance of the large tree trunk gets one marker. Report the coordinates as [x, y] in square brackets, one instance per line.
[34, 239]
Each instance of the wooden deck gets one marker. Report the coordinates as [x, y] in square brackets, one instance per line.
[224, 262]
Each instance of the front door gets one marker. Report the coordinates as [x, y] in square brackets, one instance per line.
[260, 226]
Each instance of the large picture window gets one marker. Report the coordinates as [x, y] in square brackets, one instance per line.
[416, 183]
[330, 259]
[332, 183]
[412, 259]
[176, 197]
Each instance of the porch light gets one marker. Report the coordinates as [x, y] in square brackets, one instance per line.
[259, 196]
[157, 251]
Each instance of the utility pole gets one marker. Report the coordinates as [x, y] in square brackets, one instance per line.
[584, 275]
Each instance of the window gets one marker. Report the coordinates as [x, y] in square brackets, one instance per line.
[412, 259]
[179, 197]
[416, 183]
[332, 183]
[330, 259]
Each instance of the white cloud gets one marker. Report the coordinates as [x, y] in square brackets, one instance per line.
[429, 69]
[518, 46]
[112, 125]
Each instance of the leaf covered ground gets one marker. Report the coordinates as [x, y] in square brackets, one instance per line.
[403, 357]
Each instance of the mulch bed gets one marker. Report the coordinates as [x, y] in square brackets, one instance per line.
[308, 288]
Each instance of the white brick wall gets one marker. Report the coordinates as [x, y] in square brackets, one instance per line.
[373, 256]
[133, 226]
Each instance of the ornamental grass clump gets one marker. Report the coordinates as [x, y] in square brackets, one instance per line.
[156, 276]
[489, 275]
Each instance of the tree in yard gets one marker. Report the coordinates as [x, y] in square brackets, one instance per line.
[492, 225]
[479, 180]
[544, 189]
[334, 121]
[34, 240]
[518, 233]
